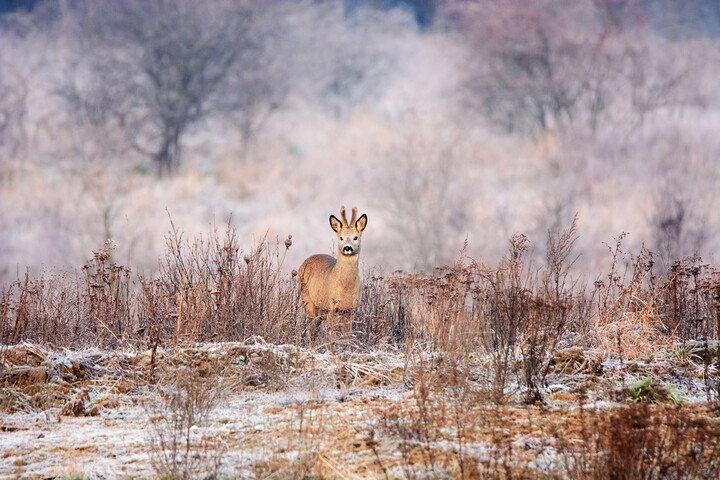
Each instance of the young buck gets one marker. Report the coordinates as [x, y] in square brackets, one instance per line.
[332, 285]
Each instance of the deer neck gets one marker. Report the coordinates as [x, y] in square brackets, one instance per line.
[347, 266]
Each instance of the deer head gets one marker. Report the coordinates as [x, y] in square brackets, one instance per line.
[349, 233]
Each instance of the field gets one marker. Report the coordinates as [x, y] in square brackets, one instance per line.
[540, 287]
[264, 411]
[514, 371]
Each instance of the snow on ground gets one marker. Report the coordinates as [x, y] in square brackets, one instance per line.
[285, 408]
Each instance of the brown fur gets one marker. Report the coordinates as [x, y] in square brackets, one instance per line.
[329, 284]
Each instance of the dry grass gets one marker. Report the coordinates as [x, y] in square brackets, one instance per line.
[516, 313]
[206, 290]
[476, 346]
[185, 401]
[641, 441]
[377, 415]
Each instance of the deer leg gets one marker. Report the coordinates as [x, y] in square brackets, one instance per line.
[312, 318]
[310, 310]
[346, 318]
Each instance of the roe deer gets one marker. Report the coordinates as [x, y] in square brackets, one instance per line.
[329, 284]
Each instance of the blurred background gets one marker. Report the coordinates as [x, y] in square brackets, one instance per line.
[446, 121]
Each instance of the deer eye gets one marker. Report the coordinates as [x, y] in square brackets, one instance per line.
[341, 239]
[355, 238]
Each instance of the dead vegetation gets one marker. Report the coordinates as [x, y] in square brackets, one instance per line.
[513, 371]
[351, 414]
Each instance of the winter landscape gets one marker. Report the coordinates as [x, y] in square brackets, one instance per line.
[539, 291]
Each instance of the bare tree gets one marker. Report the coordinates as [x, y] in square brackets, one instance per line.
[14, 91]
[425, 199]
[340, 60]
[528, 59]
[679, 227]
[13, 98]
[538, 65]
[159, 68]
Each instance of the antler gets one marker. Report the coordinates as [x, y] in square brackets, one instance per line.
[343, 217]
[354, 217]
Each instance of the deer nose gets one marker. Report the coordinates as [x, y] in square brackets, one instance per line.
[347, 250]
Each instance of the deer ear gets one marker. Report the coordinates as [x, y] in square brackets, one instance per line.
[335, 224]
[361, 223]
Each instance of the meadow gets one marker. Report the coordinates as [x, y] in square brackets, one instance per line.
[516, 370]
[540, 296]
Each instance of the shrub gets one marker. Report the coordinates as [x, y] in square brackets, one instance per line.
[642, 441]
[186, 401]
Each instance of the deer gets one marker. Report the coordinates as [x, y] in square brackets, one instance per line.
[332, 285]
